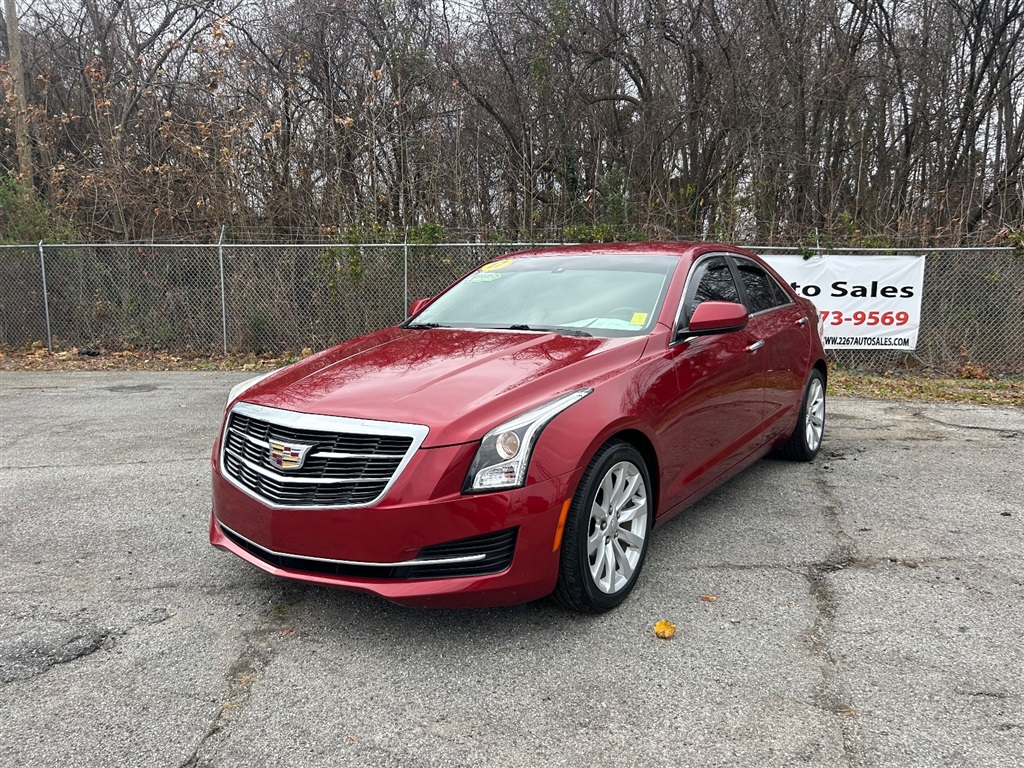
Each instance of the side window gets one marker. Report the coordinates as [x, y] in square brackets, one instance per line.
[712, 281]
[762, 290]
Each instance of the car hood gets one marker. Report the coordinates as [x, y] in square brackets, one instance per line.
[459, 383]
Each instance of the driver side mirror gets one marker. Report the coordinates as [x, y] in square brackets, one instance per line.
[716, 317]
[418, 306]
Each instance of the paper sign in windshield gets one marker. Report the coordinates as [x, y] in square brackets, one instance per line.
[496, 265]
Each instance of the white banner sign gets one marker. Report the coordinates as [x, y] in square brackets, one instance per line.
[866, 302]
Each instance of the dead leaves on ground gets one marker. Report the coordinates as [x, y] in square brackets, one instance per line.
[664, 629]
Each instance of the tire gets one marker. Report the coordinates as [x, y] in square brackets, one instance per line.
[607, 531]
[805, 442]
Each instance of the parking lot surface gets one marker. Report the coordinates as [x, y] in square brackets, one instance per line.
[869, 610]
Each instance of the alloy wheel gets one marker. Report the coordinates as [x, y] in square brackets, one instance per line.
[814, 418]
[617, 532]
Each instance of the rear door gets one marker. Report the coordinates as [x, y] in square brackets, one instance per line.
[781, 326]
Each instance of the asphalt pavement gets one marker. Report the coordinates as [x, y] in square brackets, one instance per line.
[868, 611]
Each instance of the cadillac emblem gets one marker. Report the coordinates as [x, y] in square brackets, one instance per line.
[288, 455]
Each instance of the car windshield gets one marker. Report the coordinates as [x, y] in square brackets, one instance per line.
[585, 295]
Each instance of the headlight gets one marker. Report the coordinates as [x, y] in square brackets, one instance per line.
[241, 387]
[504, 454]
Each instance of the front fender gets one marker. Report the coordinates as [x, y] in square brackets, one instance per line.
[572, 438]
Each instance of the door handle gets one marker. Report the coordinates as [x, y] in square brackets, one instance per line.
[755, 346]
[802, 321]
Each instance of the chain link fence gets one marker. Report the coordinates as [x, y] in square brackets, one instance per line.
[279, 299]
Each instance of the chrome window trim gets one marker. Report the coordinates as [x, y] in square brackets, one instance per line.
[318, 423]
[676, 327]
[771, 277]
[399, 564]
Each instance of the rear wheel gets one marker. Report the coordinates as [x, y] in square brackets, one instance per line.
[606, 531]
[806, 439]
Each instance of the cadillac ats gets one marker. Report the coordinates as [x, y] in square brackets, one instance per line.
[524, 432]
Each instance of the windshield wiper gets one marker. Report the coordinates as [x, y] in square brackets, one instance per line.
[426, 325]
[548, 329]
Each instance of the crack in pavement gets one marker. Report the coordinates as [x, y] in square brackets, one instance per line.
[256, 654]
[1003, 432]
[831, 695]
[834, 564]
[258, 651]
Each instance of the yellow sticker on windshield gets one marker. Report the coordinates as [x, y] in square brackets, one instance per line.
[495, 265]
[639, 318]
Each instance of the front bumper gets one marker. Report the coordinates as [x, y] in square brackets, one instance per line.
[388, 549]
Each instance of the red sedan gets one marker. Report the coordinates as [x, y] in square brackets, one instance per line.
[523, 432]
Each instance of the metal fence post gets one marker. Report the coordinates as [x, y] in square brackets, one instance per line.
[223, 300]
[405, 260]
[46, 298]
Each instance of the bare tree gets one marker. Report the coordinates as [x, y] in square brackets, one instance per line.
[870, 121]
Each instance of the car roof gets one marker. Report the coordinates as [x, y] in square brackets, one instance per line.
[681, 249]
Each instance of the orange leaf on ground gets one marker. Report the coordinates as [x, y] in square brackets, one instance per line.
[709, 598]
[664, 629]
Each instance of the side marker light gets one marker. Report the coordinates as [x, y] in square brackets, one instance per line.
[561, 525]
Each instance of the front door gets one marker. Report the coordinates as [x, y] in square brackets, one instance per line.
[719, 382]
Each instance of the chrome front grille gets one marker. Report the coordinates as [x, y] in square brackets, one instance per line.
[289, 459]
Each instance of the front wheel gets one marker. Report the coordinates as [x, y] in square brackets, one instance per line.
[806, 439]
[606, 531]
